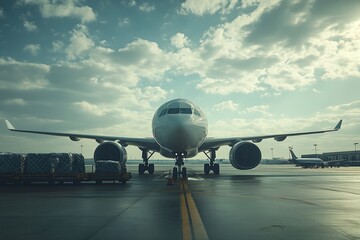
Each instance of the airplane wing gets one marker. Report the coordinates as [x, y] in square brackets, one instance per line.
[147, 143]
[215, 143]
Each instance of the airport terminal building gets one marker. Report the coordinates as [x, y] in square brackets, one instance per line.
[348, 158]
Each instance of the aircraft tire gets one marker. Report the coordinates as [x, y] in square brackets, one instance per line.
[206, 168]
[141, 169]
[184, 173]
[151, 168]
[216, 168]
[175, 173]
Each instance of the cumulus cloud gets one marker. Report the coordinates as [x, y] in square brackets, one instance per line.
[179, 40]
[30, 26]
[207, 6]
[70, 8]
[227, 86]
[79, 42]
[32, 48]
[93, 108]
[253, 52]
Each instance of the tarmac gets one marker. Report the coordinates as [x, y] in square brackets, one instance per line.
[268, 202]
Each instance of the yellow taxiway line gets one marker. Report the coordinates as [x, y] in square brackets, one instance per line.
[192, 225]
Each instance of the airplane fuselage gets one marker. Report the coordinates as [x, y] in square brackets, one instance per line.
[179, 127]
[309, 162]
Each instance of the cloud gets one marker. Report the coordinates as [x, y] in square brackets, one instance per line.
[227, 86]
[355, 105]
[179, 40]
[258, 109]
[30, 26]
[15, 101]
[70, 8]
[207, 6]
[226, 105]
[22, 76]
[278, 46]
[131, 3]
[32, 48]
[57, 46]
[79, 42]
[146, 7]
[93, 109]
[2, 14]
[124, 22]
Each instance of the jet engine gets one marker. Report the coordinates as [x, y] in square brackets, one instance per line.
[110, 151]
[245, 155]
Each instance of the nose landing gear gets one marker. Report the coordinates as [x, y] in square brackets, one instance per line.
[179, 170]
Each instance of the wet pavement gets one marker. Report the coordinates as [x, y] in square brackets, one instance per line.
[268, 202]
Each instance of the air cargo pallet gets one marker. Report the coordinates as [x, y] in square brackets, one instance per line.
[76, 178]
[10, 178]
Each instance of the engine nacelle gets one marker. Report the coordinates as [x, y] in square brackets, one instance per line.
[110, 151]
[245, 155]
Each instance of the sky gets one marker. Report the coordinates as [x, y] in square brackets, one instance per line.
[254, 67]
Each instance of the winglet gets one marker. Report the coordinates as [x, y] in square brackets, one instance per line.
[338, 126]
[9, 125]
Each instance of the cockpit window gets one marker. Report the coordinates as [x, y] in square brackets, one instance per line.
[163, 112]
[196, 112]
[176, 111]
[185, 110]
[173, 111]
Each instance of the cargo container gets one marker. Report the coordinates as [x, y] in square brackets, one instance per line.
[57, 168]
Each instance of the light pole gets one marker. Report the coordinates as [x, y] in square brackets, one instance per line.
[81, 146]
[315, 145]
[272, 153]
[355, 149]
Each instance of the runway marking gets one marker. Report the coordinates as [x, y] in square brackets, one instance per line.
[192, 225]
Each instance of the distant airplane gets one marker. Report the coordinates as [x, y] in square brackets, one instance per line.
[180, 131]
[312, 162]
[306, 162]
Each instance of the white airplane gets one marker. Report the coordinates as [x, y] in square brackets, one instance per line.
[306, 162]
[180, 131]
[312, 162]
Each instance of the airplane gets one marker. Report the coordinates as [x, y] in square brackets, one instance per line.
[312, 162]
[180, 131]
[306, 162]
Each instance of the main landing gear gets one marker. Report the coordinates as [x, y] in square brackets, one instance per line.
[178, 170]
[145, 166]
[212, 166]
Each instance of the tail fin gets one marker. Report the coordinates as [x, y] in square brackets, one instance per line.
[293, 156]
